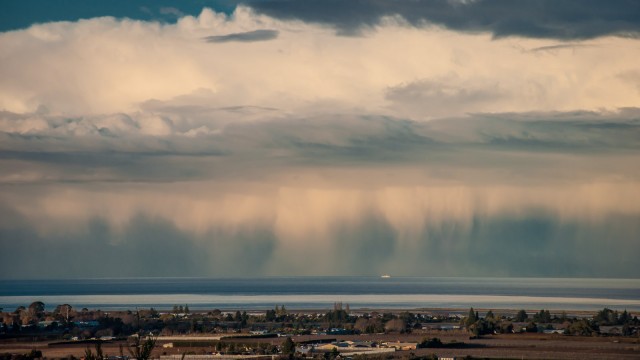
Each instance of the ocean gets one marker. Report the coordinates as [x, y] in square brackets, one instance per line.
[322, 292]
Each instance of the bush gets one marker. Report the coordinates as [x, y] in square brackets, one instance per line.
[431, 343]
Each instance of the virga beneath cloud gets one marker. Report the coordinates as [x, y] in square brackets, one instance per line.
[249, 144]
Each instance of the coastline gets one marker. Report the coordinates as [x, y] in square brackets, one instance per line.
[317, 293]
[307, 303]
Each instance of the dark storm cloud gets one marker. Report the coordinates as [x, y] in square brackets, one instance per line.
[570, 19]
[249, 36]
[16, 14]
[364, 247]
[145, 247]
[283, 144]
[564, 20]
[559, 47]
[534, 244]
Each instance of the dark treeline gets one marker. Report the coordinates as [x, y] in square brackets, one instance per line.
[68, 323]
[620, 323]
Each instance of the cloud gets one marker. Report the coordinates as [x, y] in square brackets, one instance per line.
[204, 231]
[305, 69]
[249, 36]
[172, 143]
[551, 48]
[406, 150]
[568, 20]
[373, 194]
[442, 96]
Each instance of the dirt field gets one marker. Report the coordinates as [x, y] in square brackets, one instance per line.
[516, 346]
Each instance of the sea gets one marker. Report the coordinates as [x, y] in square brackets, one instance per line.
[321, 293]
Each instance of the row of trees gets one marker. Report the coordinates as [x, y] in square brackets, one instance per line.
[69, 322]
[179, 309]
[491, 323]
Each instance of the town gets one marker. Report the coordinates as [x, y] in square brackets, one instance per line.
[65, 332]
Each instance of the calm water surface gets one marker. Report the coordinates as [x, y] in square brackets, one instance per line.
[322, 292]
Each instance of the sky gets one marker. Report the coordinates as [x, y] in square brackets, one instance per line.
[276, 137]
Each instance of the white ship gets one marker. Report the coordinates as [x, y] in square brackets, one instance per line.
[385, 276]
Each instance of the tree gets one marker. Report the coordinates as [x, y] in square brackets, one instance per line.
[531, 327]
[63, 312]
[624, 317]
[582, 327]
[335, 353]
[337, 316]
[544, 316]
[186, 309]
[521, 316]
[471, 318]
[431, 343]
[289, 347]
[89, 355]
[36, 309]
[489, 315]
[395, 325]
[153, 313]
[361, 324]
[141, 350]
[607, 317]
[270, 315]
[244, 319]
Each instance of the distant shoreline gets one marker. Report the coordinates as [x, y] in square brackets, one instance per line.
[355, 310]
[303, 303]
[313, 293]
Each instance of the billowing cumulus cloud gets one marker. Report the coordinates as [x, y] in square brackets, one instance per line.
[105, 66]
[257, 143]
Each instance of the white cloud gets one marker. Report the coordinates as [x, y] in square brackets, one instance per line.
[104, 65]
